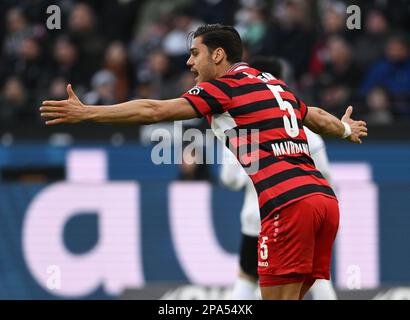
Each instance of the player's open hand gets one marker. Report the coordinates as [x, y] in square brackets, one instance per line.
[359, 128]
[71, 110]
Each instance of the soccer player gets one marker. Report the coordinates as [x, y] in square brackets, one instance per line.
[234, 177]
[299, 211]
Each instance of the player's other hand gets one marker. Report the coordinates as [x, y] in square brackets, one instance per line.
[71, 110]
[359, 128]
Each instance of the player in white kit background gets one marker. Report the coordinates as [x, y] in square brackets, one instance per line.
[234, 177]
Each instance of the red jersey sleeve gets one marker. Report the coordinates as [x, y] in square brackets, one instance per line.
[209, 98]
[303, 108]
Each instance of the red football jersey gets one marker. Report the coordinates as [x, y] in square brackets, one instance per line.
[261, 121]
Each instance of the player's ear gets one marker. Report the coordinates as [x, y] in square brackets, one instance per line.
[218, 55]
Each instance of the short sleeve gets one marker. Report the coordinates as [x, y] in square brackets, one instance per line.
[207, 98]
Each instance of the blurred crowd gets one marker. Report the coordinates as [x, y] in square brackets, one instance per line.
[115, 50]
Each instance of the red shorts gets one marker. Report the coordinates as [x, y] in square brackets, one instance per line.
[295, 244]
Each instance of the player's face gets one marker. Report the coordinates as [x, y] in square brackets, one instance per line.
[200, 61]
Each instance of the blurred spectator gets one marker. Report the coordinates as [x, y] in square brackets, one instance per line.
[14, 102]
[340, 76]
[175, 43]
[333, 19]
[340, 64]
[369, 46]
[36, 10]
[103, 93]
[36, 13]
[116, 60]
[163, 74]
[83, 32]
[18, 29]
[148, 41]
[158, 11]
[393, 73]
[331, 65]
[118, 17]
[66, 63]
[30, 66]
[398, 12]
[291, 36]
[4, 8]
[251, 24]
[215, 11]
[378, 107]
[333, 97]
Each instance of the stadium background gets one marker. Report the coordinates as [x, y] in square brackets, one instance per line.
[84, 213]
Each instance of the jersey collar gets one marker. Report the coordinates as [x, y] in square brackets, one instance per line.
[238, 66]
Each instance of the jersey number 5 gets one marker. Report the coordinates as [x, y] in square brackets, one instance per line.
[264, 249]
[291, 126]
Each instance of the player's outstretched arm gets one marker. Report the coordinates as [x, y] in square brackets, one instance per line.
[143, 111]
[323, 123]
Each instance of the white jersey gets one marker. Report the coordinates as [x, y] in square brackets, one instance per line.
[234, 177]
